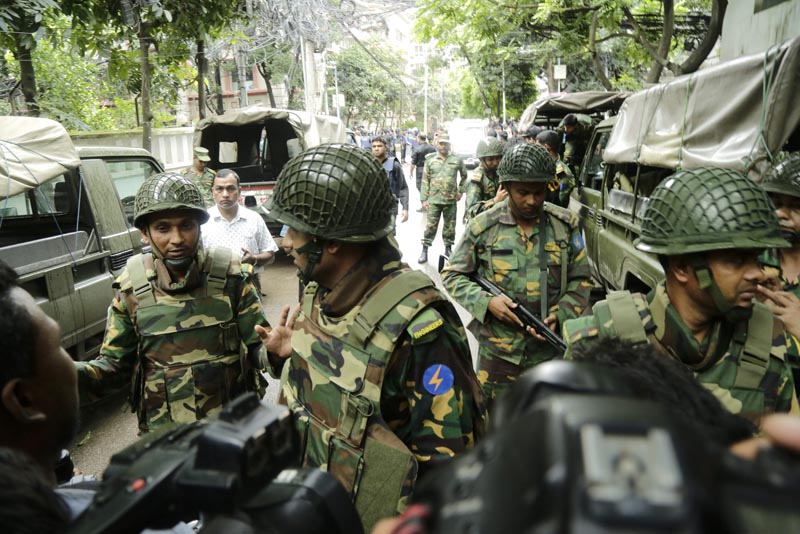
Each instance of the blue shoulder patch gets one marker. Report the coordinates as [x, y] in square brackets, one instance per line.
[437, 379]
[577, 241]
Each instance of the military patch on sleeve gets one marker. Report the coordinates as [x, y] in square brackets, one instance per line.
[424, 323]
[577, 241]
[438, 379]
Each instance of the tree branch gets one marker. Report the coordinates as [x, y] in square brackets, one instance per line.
[664, 46]
[598, 68]
[696, 58]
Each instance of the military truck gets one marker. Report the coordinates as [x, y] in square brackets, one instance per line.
[66, 222]
[257, 141]
[738, 115]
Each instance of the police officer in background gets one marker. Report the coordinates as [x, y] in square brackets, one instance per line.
[374, 364]
[708, 227]
[532, 250]
[483, 189]
[183, 321]
[394, 172]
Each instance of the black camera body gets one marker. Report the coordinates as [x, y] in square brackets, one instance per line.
[233, 469]
[571, 452]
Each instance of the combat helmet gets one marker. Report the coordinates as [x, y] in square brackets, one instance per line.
[784, 178]
[708, 209]
[526, 162]
[167, 191]
[335, 191]
[488, 148]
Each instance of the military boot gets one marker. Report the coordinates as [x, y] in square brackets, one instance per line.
[447, 250]
[423, 258]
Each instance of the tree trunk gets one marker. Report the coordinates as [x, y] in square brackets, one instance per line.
[266, 73]
[696, 58]
[147, 114]
[551, 83]
[666, 41]
[218, 75]
[201, 79]
[598, 67]
[27, 76]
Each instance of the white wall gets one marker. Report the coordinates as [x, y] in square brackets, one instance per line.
[745, 32]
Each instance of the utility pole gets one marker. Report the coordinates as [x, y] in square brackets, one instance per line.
[336, 88]
[504, 92]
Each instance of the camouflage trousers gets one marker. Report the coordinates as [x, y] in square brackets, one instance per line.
[448, 215]
[496, 374]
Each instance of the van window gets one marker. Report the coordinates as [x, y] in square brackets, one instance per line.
[228, 152]
[50, 198]
[127, 175]
[593, 169]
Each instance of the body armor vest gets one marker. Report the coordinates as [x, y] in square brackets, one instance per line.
[338, 413]
[190, 351]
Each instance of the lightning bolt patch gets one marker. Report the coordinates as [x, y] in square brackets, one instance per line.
[437, 379]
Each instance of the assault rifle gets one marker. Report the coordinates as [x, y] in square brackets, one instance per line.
[525, 315]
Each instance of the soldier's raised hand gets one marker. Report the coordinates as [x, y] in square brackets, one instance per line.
[278, 340]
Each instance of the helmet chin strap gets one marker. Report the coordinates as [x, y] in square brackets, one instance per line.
[705, 279]
[313, 253]
[174, 264]
[518, 212]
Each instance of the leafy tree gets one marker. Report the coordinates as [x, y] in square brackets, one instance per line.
[20, 20]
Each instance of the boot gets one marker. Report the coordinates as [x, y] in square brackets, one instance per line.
[423, 258]
[447, 250]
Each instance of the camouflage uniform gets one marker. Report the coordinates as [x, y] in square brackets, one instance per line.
[380, 376]
[483, 184]
[204, 182]
[441, 189]
[748, 374]
[575, 142]
[742, 359]
[495, 246]
[559, 190]
[189, 346]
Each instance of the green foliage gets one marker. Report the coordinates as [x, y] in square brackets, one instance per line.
[370, 92]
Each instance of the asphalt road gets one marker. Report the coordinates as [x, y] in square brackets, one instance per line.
[110, 427]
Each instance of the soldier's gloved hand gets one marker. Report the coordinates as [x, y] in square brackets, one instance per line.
[785, 306]
[278, 340]
[501, 307]
[551, 321]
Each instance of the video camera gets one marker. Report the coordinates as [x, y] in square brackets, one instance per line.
[233, 471]
[572, 451]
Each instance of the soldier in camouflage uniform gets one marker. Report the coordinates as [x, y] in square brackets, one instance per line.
[375, 363]
[483, 189]
[576, 130]
[708, 227]
[782, 184]
[534, 252]
[183, 322]
[201, 175]
[441, 190]
[559, 190]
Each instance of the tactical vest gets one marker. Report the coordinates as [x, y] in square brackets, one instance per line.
[190, 351]
[388, 166]
[338, 413]
[751, 343]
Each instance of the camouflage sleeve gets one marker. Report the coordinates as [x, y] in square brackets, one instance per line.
[463, 261]
[249, 315]
[462, 170]
[792, 358]
[426, 182]
[113, 368]
[579, 283]
[474, 199]
[576, 331]
[431, 398]
[786, 398]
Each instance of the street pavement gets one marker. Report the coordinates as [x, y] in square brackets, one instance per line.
[110, 426]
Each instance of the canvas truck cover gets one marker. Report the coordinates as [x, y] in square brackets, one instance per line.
[562, 104]
[731, 115]
[310, 129]
[32, 152]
